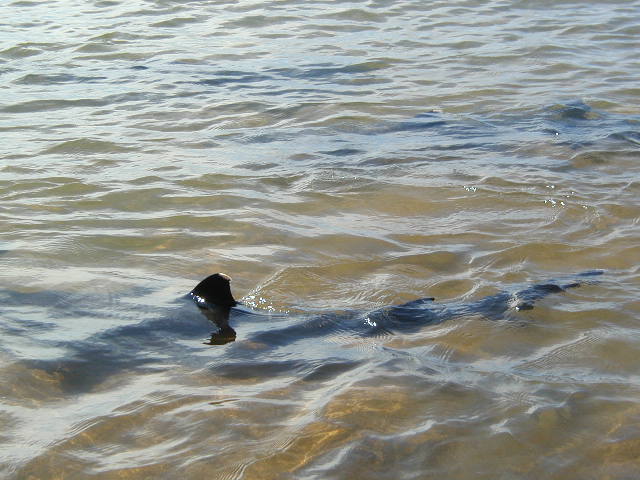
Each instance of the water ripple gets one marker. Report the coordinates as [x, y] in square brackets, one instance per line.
[335, 159]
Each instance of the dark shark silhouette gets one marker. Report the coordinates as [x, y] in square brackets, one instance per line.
[155, 343]
[214, 299]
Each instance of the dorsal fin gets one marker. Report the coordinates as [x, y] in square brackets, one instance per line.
[214, 290]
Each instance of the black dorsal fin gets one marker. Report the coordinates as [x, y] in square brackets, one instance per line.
[214, 290]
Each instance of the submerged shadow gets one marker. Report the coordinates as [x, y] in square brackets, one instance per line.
[214, 299]
[219, 316]
[156, 343]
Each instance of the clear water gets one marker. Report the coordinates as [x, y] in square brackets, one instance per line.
[331, 157]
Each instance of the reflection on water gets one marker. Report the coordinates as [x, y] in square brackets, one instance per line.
[335, 158]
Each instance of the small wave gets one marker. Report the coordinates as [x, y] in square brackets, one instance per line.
[56, 78]
[85, 146]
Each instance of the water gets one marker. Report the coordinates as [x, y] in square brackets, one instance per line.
[330, 157]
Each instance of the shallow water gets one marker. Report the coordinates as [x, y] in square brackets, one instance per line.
[330, 157]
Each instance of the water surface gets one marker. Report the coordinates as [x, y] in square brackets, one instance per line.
[330, 157]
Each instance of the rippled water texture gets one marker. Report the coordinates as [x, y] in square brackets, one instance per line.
[331, 157]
